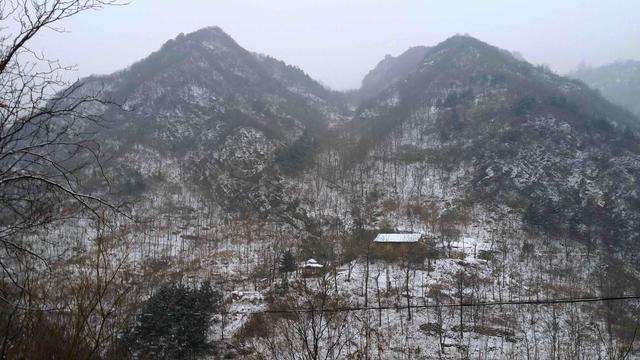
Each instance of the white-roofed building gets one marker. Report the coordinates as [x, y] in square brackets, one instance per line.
[311, 267]
[397, 238]
[312, 263]
[392, 247]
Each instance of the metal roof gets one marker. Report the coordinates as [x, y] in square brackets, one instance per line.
[397, 238]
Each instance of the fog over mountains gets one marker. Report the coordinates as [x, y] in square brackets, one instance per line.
[619, 82]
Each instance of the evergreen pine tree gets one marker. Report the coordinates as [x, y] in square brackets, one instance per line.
[287, 262]
[173, 323]
[287, 265]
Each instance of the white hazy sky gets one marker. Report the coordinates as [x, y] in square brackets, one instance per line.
[338, 41]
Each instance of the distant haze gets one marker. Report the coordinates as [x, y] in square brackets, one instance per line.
[338, 41]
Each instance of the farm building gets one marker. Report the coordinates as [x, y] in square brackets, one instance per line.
[397, 238]
[393, 247]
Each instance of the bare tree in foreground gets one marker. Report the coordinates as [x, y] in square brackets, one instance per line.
[76, 311]
[315, 333]
[45, 142]
[46, 150]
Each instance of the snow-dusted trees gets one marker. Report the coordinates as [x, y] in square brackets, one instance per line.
[76, 309]
[44, 126]
[46, 150]
[313, 332]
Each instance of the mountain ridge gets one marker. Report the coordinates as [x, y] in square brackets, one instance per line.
[390, 70]
[516, 128]
[253, 128]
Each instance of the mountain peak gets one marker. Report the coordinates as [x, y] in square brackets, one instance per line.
[464, 39]
[457, 52]
[466, 53]
[212, 36]
[209, 31]
[465, 43]
[391, 70]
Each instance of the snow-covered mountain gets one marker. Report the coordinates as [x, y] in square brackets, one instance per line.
[202, 115]
[525, 184]
[512, 134]
[391, 70]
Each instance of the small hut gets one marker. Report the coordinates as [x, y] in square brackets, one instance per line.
[311, 268]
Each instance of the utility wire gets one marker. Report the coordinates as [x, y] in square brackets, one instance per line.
[463, 304]
[432, 306]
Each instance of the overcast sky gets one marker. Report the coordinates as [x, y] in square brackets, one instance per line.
[338, 41]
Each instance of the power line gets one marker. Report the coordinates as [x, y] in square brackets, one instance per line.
[463, 304]
[433, 306]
